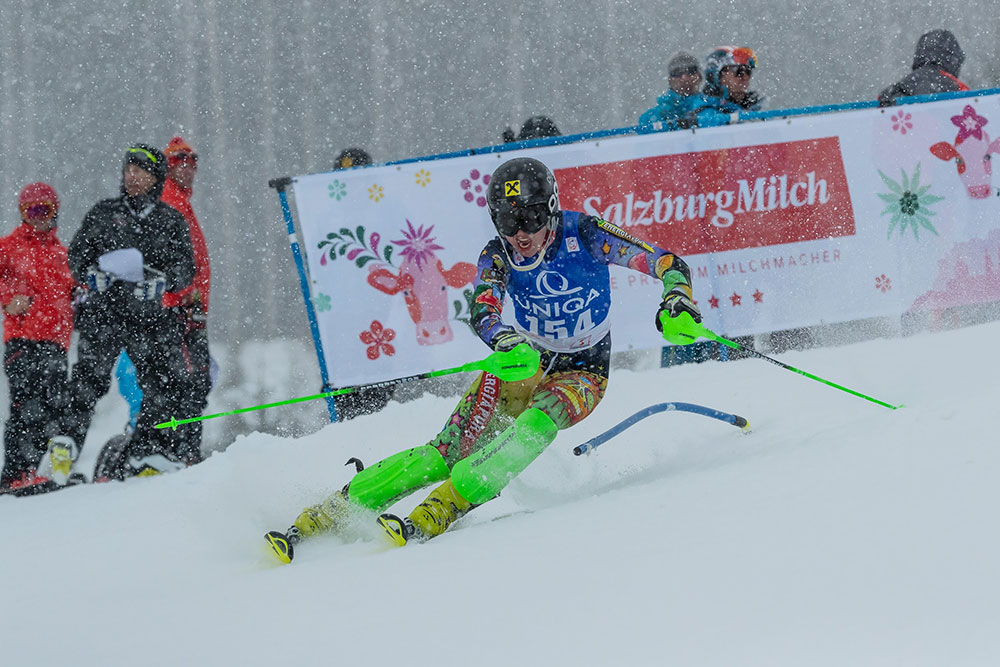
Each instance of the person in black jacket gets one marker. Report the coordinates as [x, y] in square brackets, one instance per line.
[536, 127]
[936, 65]
[129, 251]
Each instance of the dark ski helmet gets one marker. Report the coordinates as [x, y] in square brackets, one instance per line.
[150, 159]
[523, 195]
[726, 56]
[352, 157]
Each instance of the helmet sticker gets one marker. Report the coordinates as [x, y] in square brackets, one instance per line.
[512, 188]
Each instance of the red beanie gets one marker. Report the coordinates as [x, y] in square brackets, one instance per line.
[177, 145]
[38, 193]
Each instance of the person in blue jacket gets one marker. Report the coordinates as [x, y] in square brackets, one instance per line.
[554, 266]
[728, 71]
[682, 100]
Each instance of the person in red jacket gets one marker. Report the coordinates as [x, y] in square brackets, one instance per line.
[190, 303]
[36, 291]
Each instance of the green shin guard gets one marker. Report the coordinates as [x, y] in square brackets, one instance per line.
[379, 486]
[481, 476]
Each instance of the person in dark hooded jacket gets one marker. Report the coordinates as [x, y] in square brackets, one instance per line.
[129, 251]
[936, 65]
[535, 127]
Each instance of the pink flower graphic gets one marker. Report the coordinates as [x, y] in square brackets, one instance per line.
[883, 283]
[418, 244]
[474, 189]
[901, 122]
[969, 124]
[377, 338]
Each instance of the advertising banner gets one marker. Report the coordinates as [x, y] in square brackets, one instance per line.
[785, 223]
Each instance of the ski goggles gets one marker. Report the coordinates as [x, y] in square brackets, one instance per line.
[739, 70]
[136, 153]
[38, 211]
[678, 72]
[176, 158]
[529, 219]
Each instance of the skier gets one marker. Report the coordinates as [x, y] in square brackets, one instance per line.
[556, 261]
[129, 251]
[36, 290]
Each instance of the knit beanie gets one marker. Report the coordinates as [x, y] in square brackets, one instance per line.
[38, 193]
[683, 62]
[177, 146]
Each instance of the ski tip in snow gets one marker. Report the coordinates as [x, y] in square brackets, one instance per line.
[393, 527]
[281, 546]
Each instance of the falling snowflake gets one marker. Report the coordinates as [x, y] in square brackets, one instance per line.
[475, 187]
[908, 203]
[883, 283]
[337, 189]
[322, 302]
[901, 122]
[969, 124]
[423, 177]
[418, 244]
[378, 339]
[375, 193]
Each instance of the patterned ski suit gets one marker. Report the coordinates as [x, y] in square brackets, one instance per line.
[562, 306]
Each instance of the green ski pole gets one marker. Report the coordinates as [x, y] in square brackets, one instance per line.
[683, 330]
[517, 364]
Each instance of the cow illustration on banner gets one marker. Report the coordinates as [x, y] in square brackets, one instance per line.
[421, 276]
[424, 283]
[971, 151]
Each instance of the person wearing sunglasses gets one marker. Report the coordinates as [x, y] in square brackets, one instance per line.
[36, 291]
[682, 100]
[728, 72]
[129, 251]
[554, 266]
[191, 303]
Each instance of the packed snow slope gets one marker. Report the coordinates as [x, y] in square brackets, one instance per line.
[837, 533]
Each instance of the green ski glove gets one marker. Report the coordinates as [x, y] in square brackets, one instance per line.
[679, 319]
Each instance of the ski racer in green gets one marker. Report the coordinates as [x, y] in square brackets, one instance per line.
[554, 265]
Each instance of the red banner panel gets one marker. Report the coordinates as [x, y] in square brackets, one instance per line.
[712, 201]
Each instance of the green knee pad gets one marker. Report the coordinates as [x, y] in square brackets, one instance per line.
[382, 484]
[485, 473]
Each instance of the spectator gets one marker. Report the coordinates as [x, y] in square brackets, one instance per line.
[679, 104]
[191, 303]
[352, 157]
[364, 401]
[936, 64]
[36, 292]
[728, 70]
[129, 251]
[536, 127]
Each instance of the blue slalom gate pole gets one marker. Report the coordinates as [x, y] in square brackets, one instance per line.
[599, 440]
[280, 184]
